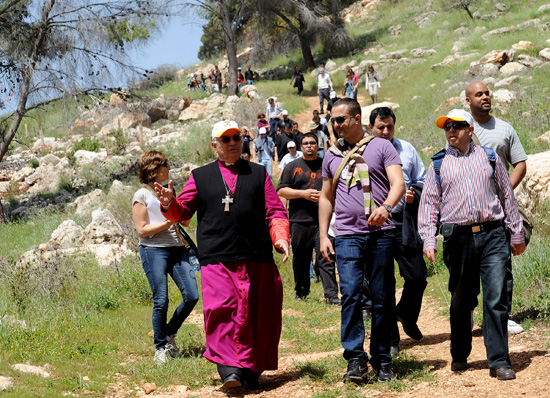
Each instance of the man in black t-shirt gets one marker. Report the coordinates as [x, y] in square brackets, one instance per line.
[282, 140]
[301, 183]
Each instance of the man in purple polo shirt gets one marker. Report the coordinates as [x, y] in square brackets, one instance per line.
[369, 186]
[471, 196]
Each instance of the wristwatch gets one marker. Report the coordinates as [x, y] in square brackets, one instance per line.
[387, 207]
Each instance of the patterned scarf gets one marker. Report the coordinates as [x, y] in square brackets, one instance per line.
[358, 171]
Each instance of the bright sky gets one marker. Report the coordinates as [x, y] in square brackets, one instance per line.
[177, 44]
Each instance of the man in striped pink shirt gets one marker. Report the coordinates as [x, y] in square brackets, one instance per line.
[473, 202]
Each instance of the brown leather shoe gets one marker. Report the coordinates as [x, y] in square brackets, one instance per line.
[503, 373]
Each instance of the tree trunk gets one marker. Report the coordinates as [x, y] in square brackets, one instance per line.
[230, 47]
[305, 44]
[336, 18]
[27, 77]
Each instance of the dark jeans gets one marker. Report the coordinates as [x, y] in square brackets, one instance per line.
[273, 123]
[299, 86]
[371, 254]
[509, 285]
[324, 94]
[469, 258]
[304, 238]
[412, 269]
[158, 263]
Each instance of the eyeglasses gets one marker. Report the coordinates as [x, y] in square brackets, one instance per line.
[340, 119]
[309, 143]
[455, 125]
[227, 138]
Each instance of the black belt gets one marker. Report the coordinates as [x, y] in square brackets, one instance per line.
[477, 228]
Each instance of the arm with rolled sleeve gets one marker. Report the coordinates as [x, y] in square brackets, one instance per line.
[428, 213]
[512, 219]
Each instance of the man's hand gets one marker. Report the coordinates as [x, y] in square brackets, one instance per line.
[378, 217]
[165, 195]
[517, 248]
[311, 195]
[326, 249]
[409, 195]
[430, 254]
[282, 247]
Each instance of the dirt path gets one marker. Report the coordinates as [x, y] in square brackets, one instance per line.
[529, 352]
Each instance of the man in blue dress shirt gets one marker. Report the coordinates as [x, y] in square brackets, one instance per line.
[408, 247]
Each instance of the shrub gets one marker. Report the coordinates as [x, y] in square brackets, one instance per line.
[87, 144]
[34, 163]
[120, 141]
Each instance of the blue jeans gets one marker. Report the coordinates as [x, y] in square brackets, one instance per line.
[273, 124]
[268, 163]
[371, 254]
[250, 82]
[470, 257]
[158, 263]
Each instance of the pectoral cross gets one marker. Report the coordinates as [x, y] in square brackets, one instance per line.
[228, 199]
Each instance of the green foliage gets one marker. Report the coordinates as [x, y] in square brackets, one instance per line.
[212, 40]
[120, 141]
[34, 163]
[19, 236]
[65, 184]
[124, 31]
[194, 149]
[87, 144]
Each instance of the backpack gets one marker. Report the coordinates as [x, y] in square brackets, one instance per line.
[438, 159]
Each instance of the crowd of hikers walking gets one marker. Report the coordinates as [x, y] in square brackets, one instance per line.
[360, 198]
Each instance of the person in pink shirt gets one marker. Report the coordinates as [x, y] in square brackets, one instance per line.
[240, 220]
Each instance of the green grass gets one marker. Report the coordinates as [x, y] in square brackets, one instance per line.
[285, 93]
[19, 236]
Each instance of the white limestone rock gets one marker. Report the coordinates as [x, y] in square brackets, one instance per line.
[5, 383]
[103, 229]
[86, 204]
[37, 370]
[545, 54]
[513, 68]
[67, 234]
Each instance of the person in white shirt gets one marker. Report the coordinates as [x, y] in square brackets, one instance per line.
[291, 155]
[324, 87]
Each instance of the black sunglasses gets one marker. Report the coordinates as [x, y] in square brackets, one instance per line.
[340, 119]
[227, 138]
[456, 125]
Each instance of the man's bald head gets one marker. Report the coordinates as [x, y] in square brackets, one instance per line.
[473, 87]
[478, 97]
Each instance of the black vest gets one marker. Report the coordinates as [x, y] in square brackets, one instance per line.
[241, 233]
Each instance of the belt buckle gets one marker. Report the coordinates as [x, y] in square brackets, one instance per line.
[476, 229]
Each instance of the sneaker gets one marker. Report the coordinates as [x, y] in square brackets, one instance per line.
[161, 356]
[171, 347]
[357, 370]
[513, 327]
[384, 373]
